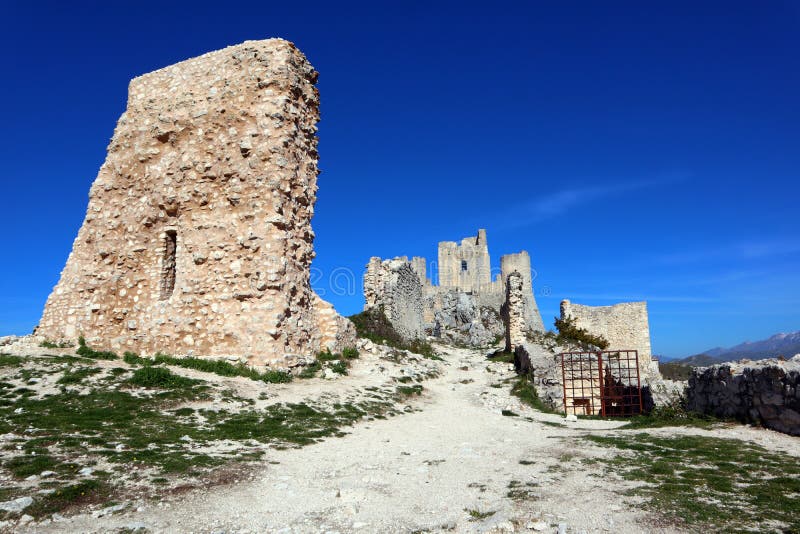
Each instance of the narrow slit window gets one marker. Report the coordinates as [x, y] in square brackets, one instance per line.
[463, 265]
[168, 264]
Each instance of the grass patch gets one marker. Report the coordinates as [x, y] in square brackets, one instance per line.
[310, 371]
[527, 394]
[340, 367]
[76, 376]
[477, 515]
[716, 484]
[80, 494]
[51, 345]
[509, 413]
[7, 360]
[518, 491]
[217, 367]
[160, 377]
[372, 324]
[501, 356]
[87, 352]
[409, 391]
[30, 464]
[662, 416]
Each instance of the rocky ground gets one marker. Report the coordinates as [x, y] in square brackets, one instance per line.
[464, 456]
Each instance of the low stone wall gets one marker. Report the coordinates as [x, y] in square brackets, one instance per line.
[766, 392]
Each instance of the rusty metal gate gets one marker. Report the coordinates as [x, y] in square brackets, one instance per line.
[602, 383]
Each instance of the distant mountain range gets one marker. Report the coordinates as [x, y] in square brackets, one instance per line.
[786, 345]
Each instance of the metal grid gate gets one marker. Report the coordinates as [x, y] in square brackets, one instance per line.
[602, 383]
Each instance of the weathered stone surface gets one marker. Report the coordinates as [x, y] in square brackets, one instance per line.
[198, 236]
[765, 392]
[513, 312]
[625, 326]
[394, 286]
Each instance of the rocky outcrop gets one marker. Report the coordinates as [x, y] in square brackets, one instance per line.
[766, 393]
[198, 236]
[462, 319]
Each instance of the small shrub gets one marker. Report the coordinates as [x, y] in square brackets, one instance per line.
[77, 376]
[82, 493]
[340, 367]
[310, 371]
[568, 333]
[526, 392]
[350, 353]
[276, 377]
[327, 356]
[7, 360]
[372, 324]
[160, 377]
[674, 370]
[86, 351]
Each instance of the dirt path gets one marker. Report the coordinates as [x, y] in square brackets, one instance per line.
[454, 464]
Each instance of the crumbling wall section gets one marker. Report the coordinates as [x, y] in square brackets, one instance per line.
[521, 263]
[513, 311]
[198, 238]
[766, 393]
[394, 286]
[465, 266]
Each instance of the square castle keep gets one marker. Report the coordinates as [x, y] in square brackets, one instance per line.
[467, 303]
[198, 238]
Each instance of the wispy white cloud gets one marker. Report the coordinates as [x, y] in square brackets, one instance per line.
[559, 202]
[743, 250]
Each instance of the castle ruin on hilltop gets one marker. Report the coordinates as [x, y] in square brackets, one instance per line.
[198, 238]
[465, 307]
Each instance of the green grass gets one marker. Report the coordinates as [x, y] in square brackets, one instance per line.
[476, 515]
[310, 371]
[51, 345]
[372, 324]
[217, 367]
[518, 491]
[527, 394]
[87, 352]
[76, 376]
[409, 391]
[350, 353]
[502, 357]
[160, 377]
[663, 416]
[708, 483]
[80, 494]
[30, 464]
[7, 360]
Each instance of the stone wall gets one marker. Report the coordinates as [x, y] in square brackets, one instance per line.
[466, 266]
[513, 311]
[521, 263]
[198, 236]
[625, 326]
[766, 393]
[394, 286]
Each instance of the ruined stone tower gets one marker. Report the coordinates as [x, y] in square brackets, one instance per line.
[198, 234]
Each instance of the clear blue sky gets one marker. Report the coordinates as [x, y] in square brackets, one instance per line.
[637, 150]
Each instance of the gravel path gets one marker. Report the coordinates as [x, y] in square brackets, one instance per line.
[420, 471]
